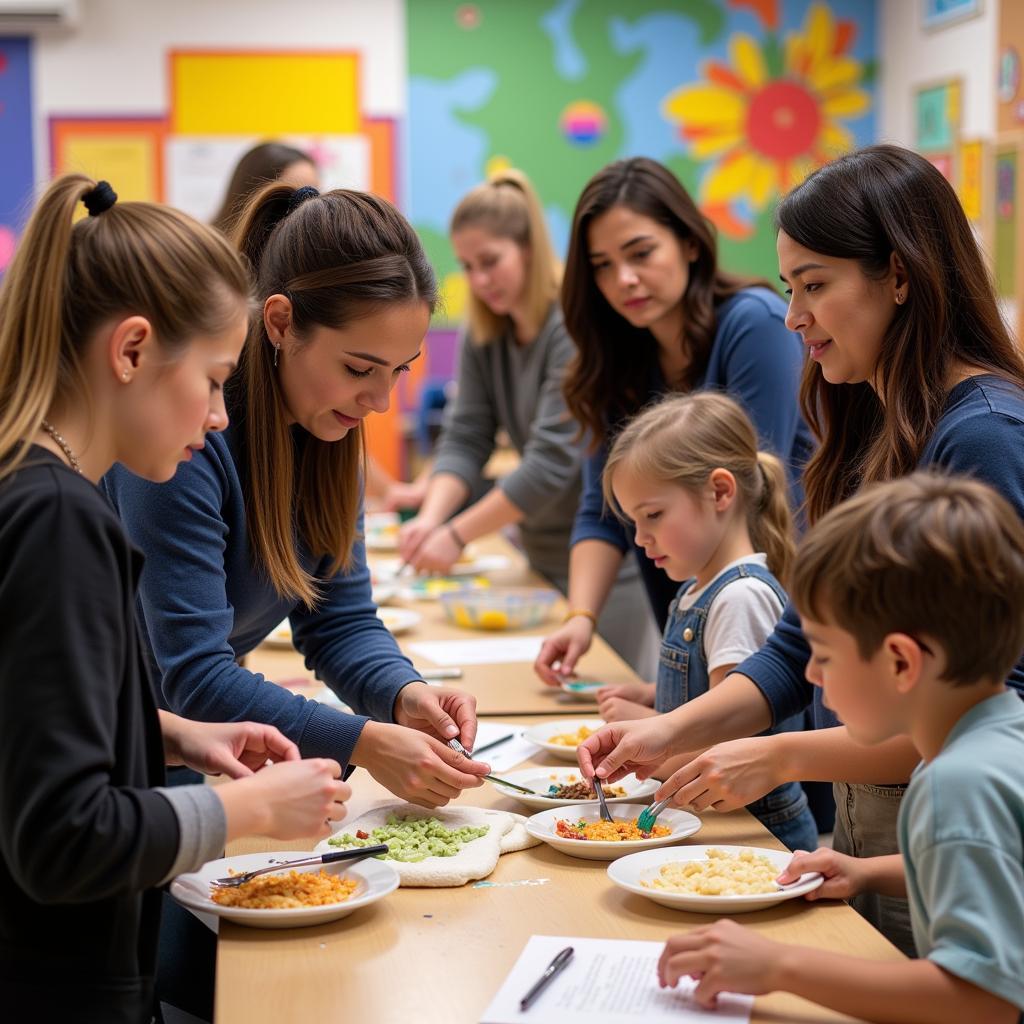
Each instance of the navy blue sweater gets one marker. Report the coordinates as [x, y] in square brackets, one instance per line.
[756, 360]
[980, 434]
[204, 604]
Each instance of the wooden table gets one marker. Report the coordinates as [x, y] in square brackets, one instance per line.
[440, 955]
[507, 689]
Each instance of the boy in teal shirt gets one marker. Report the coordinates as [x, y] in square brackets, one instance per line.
[911, 595]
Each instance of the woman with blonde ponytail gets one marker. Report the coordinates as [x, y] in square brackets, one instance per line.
[265, 522]
[712, 511]
[117, 333]
[512, 360]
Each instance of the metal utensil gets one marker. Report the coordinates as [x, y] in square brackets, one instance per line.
[650, 814]
[606, 815]
[354, 855]
[460, 749]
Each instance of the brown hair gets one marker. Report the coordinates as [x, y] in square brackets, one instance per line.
[607, 382]
[865, 206]
[507, 206]
[682, 439]
[924, 555]
[261, 164]
[68, 278]
[338, 257]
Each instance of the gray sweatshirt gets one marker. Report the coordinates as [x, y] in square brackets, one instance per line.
[502, 384]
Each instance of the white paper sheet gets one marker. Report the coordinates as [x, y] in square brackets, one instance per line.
[510, 753]
[492, 651]
[613, 981]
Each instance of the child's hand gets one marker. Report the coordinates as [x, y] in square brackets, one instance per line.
[844, 876]
[615, 709]
[723, 957]
[562, 649]
[636, 693]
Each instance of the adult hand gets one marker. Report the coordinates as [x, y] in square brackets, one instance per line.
[440, 711]
[845, 876]
[726, 776]
[412, 534]
[562, 649]
[724, 957]
[438, 552]
[414, 766]
[293, 800]
[235, 749]
[624, 747]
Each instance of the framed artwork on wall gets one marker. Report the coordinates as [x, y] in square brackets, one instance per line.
[937, 14]
[937, 117]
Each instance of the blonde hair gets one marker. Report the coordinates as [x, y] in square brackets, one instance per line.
[925, 555]
[337, 257]
[507, 206]
[68, 278]
[683, 438]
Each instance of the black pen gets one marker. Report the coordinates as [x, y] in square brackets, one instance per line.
[542, 982]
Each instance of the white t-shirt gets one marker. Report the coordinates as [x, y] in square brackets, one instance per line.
[741, 618]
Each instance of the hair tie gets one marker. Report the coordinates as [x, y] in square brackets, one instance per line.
[99, 199]
[299, 196]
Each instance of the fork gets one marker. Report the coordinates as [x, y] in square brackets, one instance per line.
[649, 815]
[354, 855]
[460, 749]
[606, 815]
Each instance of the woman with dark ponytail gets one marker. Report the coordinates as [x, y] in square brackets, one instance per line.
[265, 521]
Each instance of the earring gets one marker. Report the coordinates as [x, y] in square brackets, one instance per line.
[124, 376]
[899, 298]
[277, 352]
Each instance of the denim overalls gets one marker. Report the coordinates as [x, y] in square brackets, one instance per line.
[683, 675]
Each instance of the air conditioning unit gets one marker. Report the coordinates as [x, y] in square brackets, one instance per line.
[34, 15]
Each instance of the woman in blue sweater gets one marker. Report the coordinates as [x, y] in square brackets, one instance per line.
[650, 311]
[911, 366]
[265, 520]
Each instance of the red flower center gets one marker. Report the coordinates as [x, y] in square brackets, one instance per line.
[783, 120]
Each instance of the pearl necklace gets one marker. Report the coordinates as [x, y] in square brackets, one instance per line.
[63, 446]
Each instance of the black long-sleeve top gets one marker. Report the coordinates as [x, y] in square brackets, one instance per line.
[83, 836]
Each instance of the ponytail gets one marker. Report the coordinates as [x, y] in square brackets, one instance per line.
[68, 278]
[770, 519]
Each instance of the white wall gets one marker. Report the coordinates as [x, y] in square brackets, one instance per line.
[911, 57]
[114, 61]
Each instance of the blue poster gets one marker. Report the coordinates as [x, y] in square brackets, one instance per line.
[16, 174]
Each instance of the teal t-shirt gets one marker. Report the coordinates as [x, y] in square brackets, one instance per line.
[961, 832]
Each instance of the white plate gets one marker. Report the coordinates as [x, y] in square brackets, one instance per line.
[630, 871]
[541, 778]
[376, 880]
[381, 531]
[387, 568]
[280, 635]
[542, 827]
[541, 734]
[398, 620]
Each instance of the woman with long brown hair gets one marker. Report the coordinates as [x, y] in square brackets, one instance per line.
[651, 311]
[265, 521]
[911, 366]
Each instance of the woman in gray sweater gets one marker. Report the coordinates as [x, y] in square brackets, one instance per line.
[512, 360]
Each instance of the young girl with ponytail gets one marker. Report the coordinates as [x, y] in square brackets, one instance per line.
[710, 510]
[117, 333]
[264, 523]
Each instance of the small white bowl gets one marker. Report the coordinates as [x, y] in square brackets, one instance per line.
[542, 826]
[541, 778]
[377, 879]
[541, 734]
[583, 690]
[629, 872]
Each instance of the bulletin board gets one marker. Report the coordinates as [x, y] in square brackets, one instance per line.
[126, 151]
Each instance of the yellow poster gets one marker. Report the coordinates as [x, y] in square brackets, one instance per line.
[971, 177]
[265, 94]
